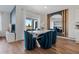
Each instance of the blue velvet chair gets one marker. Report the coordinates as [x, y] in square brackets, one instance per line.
[45, 40]
[53, 36]
[30, 41]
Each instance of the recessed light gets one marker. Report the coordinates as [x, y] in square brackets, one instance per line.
[45, 6]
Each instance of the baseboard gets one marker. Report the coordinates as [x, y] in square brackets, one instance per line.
[19, 40]
[64, 37]
[69, 38]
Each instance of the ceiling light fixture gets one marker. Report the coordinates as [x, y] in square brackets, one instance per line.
[45, 6]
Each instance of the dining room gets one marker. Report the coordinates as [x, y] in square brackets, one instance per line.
[43, 29]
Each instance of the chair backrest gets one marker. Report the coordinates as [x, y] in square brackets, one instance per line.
[54, 36]
[29, 41]
[28, 35]
[46, 41]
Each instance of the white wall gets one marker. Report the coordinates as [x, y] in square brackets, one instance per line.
[73, 18]
[21, 14]
[5, 22]
[43, 21]
[14, 17]
[19, 23]
[0, 22]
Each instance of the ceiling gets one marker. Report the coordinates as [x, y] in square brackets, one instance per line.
[42, 9]
[6, 8]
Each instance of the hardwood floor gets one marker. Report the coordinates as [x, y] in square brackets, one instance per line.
[63, 46]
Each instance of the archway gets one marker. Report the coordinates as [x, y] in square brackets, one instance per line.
[64, 14]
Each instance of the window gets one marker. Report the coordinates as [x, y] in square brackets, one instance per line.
[0, 23]
[31, 23]
[28, 23]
